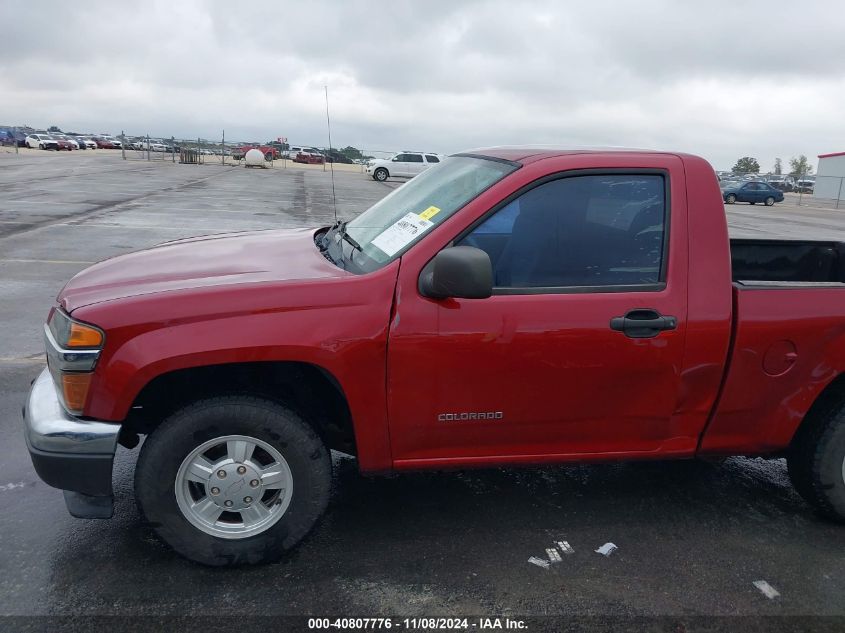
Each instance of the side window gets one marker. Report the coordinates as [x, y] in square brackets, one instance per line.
[602, 230]
[414, 158]
[400, 158]
[432, 159]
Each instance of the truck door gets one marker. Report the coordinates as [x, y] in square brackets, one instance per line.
[579, 351]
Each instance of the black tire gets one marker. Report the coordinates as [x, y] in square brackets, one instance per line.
[380, 174]
[730, 199]
[268, 156]
[770, 201]
[816, 459]
[179, 434]
[752, 202]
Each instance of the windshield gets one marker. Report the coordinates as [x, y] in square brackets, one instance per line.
[393, 224]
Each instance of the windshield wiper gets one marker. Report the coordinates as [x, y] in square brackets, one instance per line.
[345, 236]
[324, 239]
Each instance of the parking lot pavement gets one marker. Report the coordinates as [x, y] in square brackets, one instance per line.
[61, 212]
[692, 537]
[795, 218]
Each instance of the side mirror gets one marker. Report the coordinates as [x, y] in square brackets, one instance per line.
[462, 272]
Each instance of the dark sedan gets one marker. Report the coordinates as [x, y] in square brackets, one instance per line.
[752, 192]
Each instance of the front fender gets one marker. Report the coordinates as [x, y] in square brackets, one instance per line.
[341, 328]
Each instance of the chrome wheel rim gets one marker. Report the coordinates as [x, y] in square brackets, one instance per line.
[234, 486]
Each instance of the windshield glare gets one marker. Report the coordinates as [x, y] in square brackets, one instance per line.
[399, 220]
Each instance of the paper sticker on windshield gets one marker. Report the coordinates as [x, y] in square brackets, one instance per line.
[396, 237]
[429, 213]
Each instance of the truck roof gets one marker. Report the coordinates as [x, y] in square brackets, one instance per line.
[531, 153]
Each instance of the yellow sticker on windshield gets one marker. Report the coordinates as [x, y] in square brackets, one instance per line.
[429, 213]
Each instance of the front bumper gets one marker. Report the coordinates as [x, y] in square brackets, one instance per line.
[70, 453]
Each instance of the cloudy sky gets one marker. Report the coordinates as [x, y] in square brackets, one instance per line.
[720, 79]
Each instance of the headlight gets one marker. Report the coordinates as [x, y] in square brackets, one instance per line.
[74, 334]
[73, 348]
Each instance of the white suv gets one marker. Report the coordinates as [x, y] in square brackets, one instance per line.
[402, 165]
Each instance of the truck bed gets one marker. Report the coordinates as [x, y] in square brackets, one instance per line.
[774, 262]
[787, 346]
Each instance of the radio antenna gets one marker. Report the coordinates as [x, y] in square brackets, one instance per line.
[331, 164]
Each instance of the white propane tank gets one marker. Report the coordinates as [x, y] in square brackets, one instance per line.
[254, 158]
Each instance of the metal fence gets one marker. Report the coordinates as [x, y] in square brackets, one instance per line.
[223, 152]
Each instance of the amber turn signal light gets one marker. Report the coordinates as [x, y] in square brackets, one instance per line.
[75, 390]
[84, 336]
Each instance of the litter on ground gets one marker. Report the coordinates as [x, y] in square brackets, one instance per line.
[539, 562]
[766, 589]
[553, 555]
[607, 549]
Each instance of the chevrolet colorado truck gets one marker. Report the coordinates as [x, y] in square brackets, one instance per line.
[506, 307]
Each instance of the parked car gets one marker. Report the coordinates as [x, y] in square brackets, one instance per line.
[41, 141]
[781, 182]
[806, 184]
[80, 142]
[14, 136]
[69, 143]
[292, 151]
[11, 136]
[402, 165]
[334, 156]
[104, 143]
[752, 192]
[309, 157]
[614, 326]
[89, 142]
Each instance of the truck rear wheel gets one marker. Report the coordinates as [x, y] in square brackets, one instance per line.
[233, 480]
[816, 458]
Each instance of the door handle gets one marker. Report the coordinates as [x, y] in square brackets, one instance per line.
[643, 323]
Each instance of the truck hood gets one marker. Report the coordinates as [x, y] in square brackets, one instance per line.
[225, 259]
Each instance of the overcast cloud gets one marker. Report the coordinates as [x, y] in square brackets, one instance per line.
[720, 79]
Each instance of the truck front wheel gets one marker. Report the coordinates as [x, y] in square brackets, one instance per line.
[380, 174]
[816, 458]
[233, 480]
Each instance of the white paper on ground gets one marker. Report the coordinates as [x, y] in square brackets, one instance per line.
[401, 233]
[607, 549]
[553, 555]
[565, 547]
[539, 562]
[767, 590]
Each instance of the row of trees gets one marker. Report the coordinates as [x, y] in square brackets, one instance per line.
[798, 165]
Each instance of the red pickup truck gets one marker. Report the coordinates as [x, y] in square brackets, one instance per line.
[506, 307]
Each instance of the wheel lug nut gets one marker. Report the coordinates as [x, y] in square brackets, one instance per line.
[247, 499]
[241, 470]
[254, 483]
[227, 503]
[221, 473]
[215, 491]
